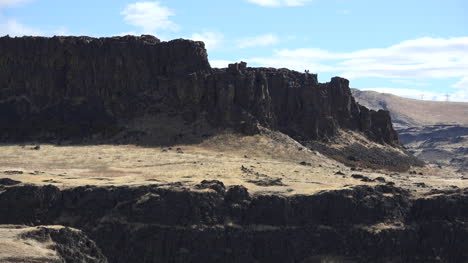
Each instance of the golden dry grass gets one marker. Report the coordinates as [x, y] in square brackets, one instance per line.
[218, 158]
[15, 249]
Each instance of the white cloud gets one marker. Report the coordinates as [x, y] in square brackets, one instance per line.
[419, 58]
[149, 16]
[278, 3]
[212, 40]
[60, 31]
[10, 26]
[220, 63]
[408, 82]
[462, 84]
[461, 96]
[215, 40]
[258, 41]
[405, 63]
[462, 90]
[12, 3]
[14, 28]
[131, 33]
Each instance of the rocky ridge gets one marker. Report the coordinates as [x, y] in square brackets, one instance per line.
[74, 87]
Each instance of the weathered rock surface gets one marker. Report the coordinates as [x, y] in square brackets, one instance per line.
[54, 244]
[172, 224]
[443, 145]
[73, 87]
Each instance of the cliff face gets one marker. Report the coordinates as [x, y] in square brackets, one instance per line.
[64, 87]
[77, 86]
[160, 223]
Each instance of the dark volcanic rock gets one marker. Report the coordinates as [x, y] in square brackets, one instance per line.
[28, 204]
[71, 245]
[237, 194]
[362, 178]
[443, 145]
[12, 172]
[72, 87]
[151, 224]
[76, 86]
[8, 181]
[215, 185]
[363, 156]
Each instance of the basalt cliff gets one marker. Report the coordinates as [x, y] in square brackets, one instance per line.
[214, 224]
[73, 87]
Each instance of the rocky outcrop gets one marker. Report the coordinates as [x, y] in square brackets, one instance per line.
[71, 245]
[54, 244]
[73, 87]
[161, 223]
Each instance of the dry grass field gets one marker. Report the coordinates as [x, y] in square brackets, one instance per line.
[263, 163]
[13, 248]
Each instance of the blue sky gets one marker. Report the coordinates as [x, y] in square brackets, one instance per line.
[415, 48]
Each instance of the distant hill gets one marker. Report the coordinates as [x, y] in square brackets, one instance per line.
[407, 113]
[434, 131]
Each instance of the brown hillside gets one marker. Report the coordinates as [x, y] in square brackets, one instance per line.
[410, 112]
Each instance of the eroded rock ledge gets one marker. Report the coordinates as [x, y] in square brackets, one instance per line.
[52, 244]
[212, 223]
[73, 87]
